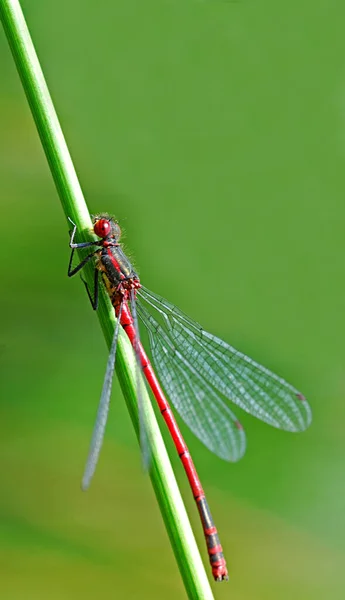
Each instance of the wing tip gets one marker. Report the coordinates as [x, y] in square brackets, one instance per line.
[308, 416]
[241, 446]
[85, 484]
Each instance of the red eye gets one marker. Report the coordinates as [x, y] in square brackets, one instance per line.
[102, 228]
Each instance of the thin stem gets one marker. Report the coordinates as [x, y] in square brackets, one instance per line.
[74, 206]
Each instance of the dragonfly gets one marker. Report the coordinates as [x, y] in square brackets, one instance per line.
[200, 373]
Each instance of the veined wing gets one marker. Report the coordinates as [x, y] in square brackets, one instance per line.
[247, 384]
[199, 405]
[102, 412]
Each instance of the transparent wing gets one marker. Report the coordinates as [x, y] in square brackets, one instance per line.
[102, 412]
[247, 384]
[144, 442]
[196, 401]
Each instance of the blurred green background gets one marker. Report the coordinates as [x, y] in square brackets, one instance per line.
[215, 132]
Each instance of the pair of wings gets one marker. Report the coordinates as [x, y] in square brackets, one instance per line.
[201, 374]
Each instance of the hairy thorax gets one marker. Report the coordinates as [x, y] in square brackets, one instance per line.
[118, 274]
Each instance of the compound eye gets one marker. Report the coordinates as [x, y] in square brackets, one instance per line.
[102, 228]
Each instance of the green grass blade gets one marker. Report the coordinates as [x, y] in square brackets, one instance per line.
[72, 199]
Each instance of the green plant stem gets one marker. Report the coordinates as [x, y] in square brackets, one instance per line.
[74, 206]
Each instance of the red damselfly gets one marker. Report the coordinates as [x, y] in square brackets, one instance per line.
[199, 372]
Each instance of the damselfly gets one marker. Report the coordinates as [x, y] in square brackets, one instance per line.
[199, 372]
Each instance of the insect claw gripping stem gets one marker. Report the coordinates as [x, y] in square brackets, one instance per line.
[93, 300]
[72, 271]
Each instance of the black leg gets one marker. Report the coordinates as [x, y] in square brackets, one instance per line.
[94, 299]
[73, 271]
[82, 264]
[74, 247]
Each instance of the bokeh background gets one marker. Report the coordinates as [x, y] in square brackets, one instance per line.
[215, 132]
